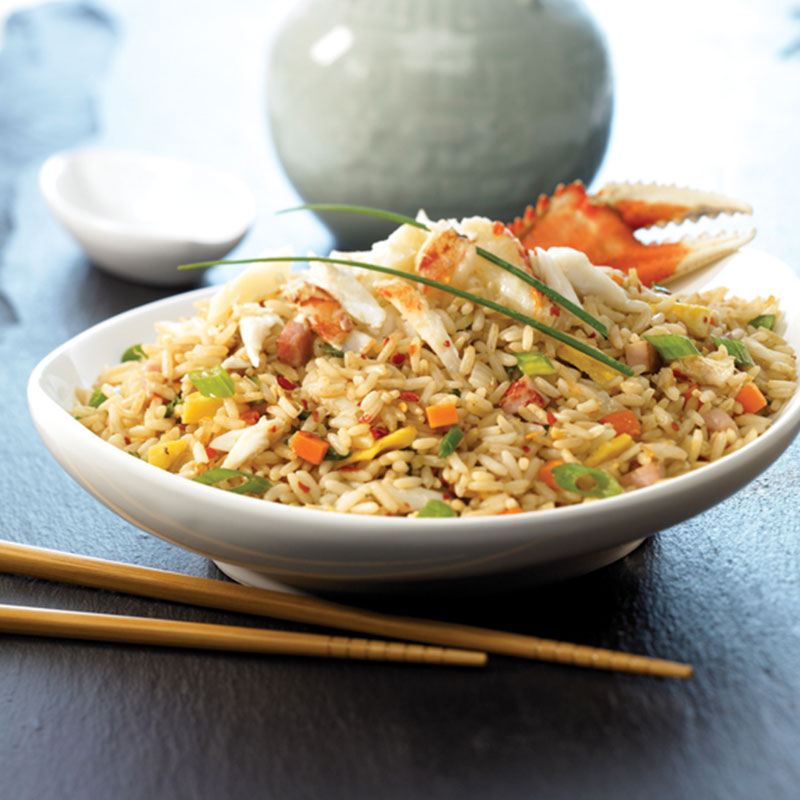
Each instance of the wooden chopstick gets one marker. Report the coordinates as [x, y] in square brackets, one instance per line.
[102, 574]
[200, 635]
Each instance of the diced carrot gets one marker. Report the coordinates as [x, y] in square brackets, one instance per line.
[624, 421]
[751, 399]
[309, 447]
[545, 474]
[511, 511]
[250, 417]
[442, 414]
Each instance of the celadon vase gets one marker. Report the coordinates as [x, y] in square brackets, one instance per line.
[457, 107]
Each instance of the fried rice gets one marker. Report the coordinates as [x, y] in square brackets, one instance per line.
[375, 366]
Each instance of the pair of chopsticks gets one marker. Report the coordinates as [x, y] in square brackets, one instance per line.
[438, 642]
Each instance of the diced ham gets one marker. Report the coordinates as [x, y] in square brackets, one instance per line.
[521, 393]
[642, 476]
[718, 420]
[642, 353]
[294, 343]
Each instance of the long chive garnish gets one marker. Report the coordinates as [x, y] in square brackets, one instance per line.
[401, 219]
[473, 298]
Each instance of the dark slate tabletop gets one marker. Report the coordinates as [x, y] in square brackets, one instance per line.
[706, 95]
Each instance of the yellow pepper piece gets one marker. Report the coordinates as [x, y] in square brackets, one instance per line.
[163, 454]
[610, 449]
[697, 319]
[598, 372]
[197, 407]
[396, 440]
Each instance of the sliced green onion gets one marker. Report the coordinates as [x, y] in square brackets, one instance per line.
[741, 355]
[473, 298]
[97, 398]
[593, 482]
[450, 441]
[304, 414]
[555, 296]
[253, 379]
[133, 353]
[333, 455]
[252, 484]
[330, 350]
[763, 321]
[456, 392]
[671, 346]
[214, 382]
[436, 508]
[534, 364]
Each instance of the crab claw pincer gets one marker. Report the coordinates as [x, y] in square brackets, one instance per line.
[602, 226]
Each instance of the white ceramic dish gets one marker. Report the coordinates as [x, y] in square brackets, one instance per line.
[139, 215]
[254, 541]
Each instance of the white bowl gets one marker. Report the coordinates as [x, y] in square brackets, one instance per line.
[139, 215]
[253, 540]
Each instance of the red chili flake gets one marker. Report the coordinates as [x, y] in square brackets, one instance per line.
[554, 311]
[592, 334]
[286, 384]
[713, 321]
[127, 440]
[675, 426]
[551, 418]
[365, 418]
[315, 415]
[250, 417]
[350, 467]
[689, 393]
[525, 449]
[211, 453]
[705, 319]
[304, 487]
[378, 432]
[447, 343]
[304, 402]
[385, 339]
[273, 428]
[678, 374]
[398, 358]
[409, 397]
[445, 495]
[498, 228]
[182, 428]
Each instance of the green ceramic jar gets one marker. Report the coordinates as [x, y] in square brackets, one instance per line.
[460, 107]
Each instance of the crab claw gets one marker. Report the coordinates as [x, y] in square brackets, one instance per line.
[603, 225]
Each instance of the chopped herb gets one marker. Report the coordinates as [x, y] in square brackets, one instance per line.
[214, 382]
[253, 379]
[741, 355]
[97, 398]
[585, 481]
[171, 406]
[456, 392]
[450, 441]
[534, 364]
[763, 321]
[133, 353]
[436, 508]
[332, 455]
[303, 415]
[513, 372]
[251, 485]
[330, 350]
[671, 346]
[77, 416]
[133, 453]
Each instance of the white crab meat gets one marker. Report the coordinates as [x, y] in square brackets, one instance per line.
[253, 331]
[586, 279]
[426, 322]
[249, 443]
[709, 371]
[257, 282]
[343, 286]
